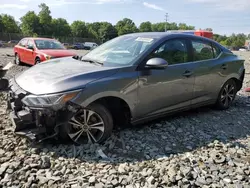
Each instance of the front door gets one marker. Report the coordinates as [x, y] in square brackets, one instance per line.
[162, 90]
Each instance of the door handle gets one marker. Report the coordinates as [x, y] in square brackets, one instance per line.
[187, 73]
[224, 66]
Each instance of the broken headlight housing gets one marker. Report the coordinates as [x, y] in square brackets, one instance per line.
[49, 100]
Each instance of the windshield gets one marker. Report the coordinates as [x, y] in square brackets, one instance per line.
[121, 50]
[48, 44]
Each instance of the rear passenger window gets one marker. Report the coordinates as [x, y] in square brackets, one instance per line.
[216, 50]
[173, 51]
[23, 42]
[202, 51]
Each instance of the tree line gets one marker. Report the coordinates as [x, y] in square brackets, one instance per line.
[233, 41]
[42, 24]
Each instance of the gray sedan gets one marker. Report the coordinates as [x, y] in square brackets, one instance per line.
[128, 80]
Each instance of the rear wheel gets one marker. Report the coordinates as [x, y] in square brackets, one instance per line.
[17, 59]
[91, 125]
[226, 95]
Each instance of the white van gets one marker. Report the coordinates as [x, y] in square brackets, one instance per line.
[90, 45]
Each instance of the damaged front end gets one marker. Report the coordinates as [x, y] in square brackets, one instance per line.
[39, 117]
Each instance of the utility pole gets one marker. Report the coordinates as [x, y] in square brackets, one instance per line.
[166, 19]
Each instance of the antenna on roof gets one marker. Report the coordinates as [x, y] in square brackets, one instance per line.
[166, 19]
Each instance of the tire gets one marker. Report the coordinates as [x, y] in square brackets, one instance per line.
[68, 130]
[37, 61]
[17, 59]
[229, 91]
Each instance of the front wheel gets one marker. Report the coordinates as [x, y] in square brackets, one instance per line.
[226, 95]
[91, 125]
[37, 61]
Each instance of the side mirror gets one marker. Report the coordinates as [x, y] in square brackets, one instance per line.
[156, 63]
[30, 47]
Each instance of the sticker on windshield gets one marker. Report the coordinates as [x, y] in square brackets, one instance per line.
[141, 39]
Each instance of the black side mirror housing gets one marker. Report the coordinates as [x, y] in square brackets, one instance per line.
[156, 63]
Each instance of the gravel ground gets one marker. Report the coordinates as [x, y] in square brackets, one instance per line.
[199, 148]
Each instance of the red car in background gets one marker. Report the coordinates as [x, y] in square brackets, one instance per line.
[35, 50]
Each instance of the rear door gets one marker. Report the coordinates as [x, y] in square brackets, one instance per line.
[30, 53]
[162, 90]
[22, 50]
[208, 71]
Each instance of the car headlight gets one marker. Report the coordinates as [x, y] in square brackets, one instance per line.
[49, 100]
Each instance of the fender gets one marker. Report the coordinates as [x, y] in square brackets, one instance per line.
[109, 94]
[40, 55]
[232, 76]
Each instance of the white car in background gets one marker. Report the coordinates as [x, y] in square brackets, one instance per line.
[90, 45]
[243, 49]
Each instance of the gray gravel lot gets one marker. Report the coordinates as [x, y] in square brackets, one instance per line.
[199, 148]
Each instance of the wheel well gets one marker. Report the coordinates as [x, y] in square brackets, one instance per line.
[118, 108]
[37, 58]
[238, 82]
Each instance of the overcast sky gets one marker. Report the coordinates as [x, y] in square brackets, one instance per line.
[224, 16]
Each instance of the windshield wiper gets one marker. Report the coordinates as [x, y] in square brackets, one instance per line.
[91, 61]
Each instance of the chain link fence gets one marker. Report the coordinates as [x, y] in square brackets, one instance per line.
[11, 39]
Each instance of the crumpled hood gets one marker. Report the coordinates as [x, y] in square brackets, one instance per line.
[60, 75]
[58, 53]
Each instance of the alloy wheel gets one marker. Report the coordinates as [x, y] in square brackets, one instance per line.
[228, 94]
[86, 127]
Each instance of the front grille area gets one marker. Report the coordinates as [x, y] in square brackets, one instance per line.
[35, 124]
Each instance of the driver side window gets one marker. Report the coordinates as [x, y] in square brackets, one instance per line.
[174, 51]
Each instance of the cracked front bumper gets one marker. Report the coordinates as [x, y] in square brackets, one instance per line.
[36, 124]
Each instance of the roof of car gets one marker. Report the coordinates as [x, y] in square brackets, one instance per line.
[38, 38]
[165, 34]
[162, 35]
[153, 34]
